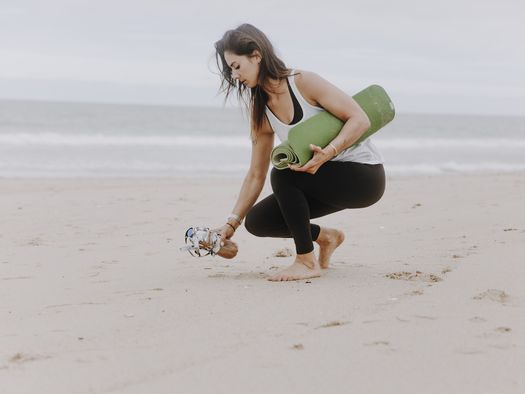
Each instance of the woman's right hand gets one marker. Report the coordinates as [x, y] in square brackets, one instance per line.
[226, 232]
[229, 248]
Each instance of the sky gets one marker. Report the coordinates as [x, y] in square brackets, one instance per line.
[446, 56]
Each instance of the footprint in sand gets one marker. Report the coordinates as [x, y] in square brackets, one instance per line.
[469, 351]
[21, 358]
[334, 323]
[493, 295]
[414, 276]
[504, 346]
[425, 317]
[16, 277]
[217, 275]
[249, 275]
[416, 292]
[377, 343]
[477, 319]
[284, 252]
[372, 321]
[383, 346]
[35, 241]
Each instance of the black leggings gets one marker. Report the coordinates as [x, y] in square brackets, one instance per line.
[298, 197]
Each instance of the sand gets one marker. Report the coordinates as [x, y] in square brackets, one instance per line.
[426, 295]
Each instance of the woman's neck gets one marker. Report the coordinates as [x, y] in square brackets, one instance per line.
[276, 88]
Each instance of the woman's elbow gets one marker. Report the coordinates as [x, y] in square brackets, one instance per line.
[364, 122]
[360, 120]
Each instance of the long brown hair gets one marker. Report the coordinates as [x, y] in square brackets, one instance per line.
[243, 41]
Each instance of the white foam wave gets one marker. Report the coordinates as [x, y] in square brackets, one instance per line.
[56, 139]
[203, 169]
[237, 141]
[453, 167]
[460, 143]
[121, 167]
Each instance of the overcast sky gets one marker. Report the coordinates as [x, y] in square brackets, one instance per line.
[446, 56]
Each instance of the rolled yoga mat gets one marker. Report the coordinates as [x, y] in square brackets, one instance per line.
[322, 128]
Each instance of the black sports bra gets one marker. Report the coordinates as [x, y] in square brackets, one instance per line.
[297, 110]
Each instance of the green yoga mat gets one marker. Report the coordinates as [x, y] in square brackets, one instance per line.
[322, 128]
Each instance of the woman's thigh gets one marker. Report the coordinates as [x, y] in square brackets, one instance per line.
[266, 217]
[338, 185]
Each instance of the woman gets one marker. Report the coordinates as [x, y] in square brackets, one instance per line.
[336, 178]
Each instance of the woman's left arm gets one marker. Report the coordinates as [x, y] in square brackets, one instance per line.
[322, 93]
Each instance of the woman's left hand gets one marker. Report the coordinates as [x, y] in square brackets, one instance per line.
[320, 157]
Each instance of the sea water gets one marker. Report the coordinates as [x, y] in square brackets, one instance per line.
[52, 139]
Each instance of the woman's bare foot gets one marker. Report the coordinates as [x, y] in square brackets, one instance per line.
[329, 239]
[305, 266]
[228, 250]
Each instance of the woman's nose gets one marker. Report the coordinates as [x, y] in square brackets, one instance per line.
[235, 75]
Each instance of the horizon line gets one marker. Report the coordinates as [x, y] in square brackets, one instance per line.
[231, 107]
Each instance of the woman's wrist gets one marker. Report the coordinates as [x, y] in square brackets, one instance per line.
[334, 148]
[231, 226]
[234, 218]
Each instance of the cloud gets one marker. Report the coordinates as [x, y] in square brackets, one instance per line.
[464, 49]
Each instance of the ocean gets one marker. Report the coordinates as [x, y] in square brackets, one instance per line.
[52, 139]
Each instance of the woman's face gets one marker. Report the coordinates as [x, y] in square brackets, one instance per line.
[244, 68]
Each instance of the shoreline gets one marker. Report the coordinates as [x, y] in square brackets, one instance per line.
[234, 177]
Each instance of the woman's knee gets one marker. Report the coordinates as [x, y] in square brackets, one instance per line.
[252, 224]
[249, 224]
[265, 220]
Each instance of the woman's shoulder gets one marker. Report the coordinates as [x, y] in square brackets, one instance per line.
[309, 84]
[304, 76]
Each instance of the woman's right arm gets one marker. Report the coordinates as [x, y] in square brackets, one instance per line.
[254, 180]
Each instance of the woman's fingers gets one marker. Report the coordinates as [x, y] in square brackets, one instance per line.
[224, 232]
[313, 164]
[316, 148]
[310, 168]
[295, 167]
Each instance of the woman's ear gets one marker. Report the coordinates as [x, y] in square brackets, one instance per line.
[257, 55]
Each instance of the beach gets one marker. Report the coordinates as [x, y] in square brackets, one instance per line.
[424, 296]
